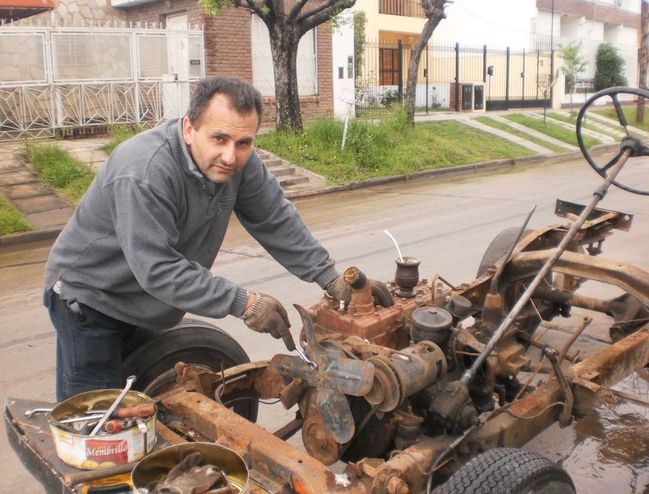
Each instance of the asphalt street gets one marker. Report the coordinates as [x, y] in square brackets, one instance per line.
[445, 224]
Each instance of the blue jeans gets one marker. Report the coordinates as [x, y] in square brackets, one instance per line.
[88, 347]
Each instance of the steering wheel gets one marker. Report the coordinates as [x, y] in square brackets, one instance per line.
[632, 140]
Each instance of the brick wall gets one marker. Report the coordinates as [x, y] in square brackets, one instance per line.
[228, 45]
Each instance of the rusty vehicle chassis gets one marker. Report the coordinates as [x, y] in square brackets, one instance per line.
[279, 466]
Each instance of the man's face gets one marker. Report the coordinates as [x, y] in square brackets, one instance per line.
[221, 140]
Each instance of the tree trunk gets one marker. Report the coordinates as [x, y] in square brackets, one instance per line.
[413, 68]
[434, 10]
[283, 47]
[643, 55]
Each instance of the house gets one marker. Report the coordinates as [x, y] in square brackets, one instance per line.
[235, 42]
[496, 54]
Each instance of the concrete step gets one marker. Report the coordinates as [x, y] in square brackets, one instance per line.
[293, 180]
[283, 171]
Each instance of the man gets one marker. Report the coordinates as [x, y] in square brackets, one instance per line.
[139, 247]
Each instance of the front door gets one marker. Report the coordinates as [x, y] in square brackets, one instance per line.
[175, 85]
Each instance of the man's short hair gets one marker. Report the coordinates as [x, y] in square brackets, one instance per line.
[243, 96]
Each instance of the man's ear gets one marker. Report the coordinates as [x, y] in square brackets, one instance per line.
[188, 131]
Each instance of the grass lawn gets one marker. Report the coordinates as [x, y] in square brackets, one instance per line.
[629, 114]
[11, 220]
[553, 130]
[59, 170]
[388, 148]
[511, 130]
[603, 128]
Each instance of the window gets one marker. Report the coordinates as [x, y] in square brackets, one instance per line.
[262, 61]
[389, 66]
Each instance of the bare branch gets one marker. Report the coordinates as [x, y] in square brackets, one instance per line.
[322, 13]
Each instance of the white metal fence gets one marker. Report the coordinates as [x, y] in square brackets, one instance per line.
[55, 80]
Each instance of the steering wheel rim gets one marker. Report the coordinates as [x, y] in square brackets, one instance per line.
[613, 92]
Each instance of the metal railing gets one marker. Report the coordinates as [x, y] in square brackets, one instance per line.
[54, 80]
[452, 77]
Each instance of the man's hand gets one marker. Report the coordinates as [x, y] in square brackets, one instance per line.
[339, 289]
[266, 315]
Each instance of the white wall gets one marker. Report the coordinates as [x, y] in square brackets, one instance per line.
[496, 23]
[342, 39]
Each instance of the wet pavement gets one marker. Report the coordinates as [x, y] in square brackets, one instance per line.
[445, 224]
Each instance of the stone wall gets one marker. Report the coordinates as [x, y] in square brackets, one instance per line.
[81, 13]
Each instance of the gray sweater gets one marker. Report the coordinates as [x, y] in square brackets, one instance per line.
[140, 245]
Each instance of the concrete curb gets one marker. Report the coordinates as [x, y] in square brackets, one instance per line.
[29, 237]
[454, 171]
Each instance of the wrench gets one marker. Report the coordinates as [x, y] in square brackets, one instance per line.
[129, 382]
[29, 413]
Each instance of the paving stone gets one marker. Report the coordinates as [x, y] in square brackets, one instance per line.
[20, 177]
[51, 218]
[40, 203]
[22, 191]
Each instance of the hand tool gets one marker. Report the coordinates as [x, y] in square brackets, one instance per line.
[29, 413]
[129, 382]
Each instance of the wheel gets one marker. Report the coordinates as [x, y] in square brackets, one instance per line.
[498, 247]
[634, 143]
[508, 471]
[151, 355]
[510, 291]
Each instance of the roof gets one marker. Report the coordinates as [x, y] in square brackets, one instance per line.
[17, 9]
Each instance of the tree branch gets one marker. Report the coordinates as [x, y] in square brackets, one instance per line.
[322, 13]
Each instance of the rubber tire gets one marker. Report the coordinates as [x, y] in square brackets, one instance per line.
[508, 471]
[150, 355]
[498, 247]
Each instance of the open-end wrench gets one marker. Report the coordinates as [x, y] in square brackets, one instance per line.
[29, 413]
[129, 382]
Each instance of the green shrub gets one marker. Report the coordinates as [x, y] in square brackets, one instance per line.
[609, 70]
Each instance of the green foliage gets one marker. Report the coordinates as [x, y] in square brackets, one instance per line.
[11, 220]
[630, 115]
[609, 70]
[214, 7]
[390, 147]
[551, 129]
[69, 176]
[528, 137]
[119, 134]
[573, 64]
[360, 21]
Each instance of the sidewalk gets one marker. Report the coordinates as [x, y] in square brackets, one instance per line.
[48, 213]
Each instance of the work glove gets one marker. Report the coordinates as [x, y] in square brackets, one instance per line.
[339, 289]
[266, 315]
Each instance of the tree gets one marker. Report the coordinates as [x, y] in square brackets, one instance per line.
[609, 69]
[573, 65]
[434, 11]
[360, 21]
[287, 21]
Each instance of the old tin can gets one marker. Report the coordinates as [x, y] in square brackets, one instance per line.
[159, 463]
[101, 450]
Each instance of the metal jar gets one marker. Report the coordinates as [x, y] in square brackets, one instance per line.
[102, 450]
[160, 462]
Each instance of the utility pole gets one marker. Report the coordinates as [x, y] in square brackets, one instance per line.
[643, 55]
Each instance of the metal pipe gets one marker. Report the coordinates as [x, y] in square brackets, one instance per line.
[598, 195]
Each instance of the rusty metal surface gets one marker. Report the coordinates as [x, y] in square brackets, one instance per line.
[629, 278]
[269, 458]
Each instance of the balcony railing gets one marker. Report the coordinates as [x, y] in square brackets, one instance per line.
[407, 8]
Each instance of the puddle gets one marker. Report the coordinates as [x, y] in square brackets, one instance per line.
[611, 449]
